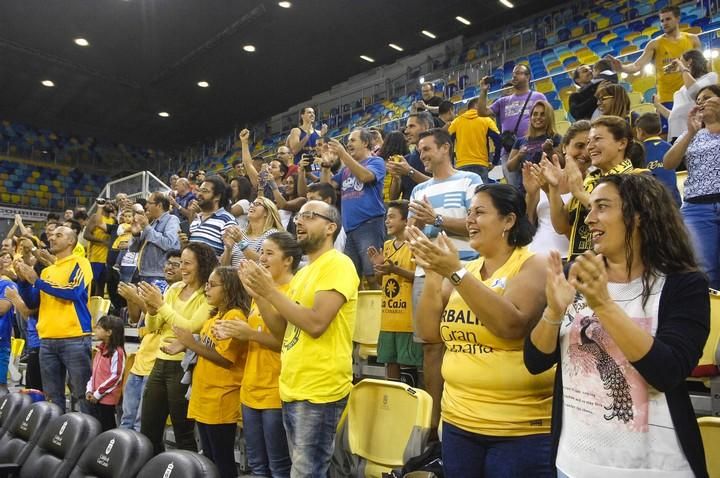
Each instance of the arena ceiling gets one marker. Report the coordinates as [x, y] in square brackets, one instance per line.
[147, 56]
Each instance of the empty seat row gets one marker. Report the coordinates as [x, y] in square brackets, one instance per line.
[36, 441]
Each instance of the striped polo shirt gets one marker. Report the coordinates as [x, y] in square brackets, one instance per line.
[210, 230]
[449, 197]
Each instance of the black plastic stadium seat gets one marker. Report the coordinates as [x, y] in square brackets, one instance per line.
[60, 446]
[19, 441]
[10, 407]
[179, 464]
[116, 453]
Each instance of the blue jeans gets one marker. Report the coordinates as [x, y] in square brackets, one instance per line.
[126, 273]
[703, 223]
[369, 233]
[4, 363]
[60, 355]
[310, 429]
[482, 171]
[479, 456]
[132, 402]
[267, 446]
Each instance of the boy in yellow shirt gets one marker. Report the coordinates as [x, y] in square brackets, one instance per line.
[396, 269]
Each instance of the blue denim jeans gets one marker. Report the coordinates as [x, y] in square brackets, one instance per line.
[58, 356]
[482, 171]
[479, 456]
[310, 429]
[703, 223]
[132, 402]
[267, 446]
[369, 233]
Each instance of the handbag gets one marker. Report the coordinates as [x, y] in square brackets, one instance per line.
[508, 138]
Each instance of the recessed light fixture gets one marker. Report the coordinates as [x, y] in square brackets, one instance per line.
[395, 47]
[367, 58]
[462, 20]
[421, 80]
[428, 34]
[507, 3]
[81, 42]
[203, 84]
[164, 114]
[285, 4]
[47, 83]
[249, 48]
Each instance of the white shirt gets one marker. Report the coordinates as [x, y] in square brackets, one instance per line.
[683, 101]
[546, 239]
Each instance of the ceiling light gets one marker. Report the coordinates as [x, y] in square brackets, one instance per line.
[285, 4]
[164, 114]
[203, 84]
[428, 34]
[249, 48]
[81, 42]
[48, 83]
[367, 58]
[507, 3]
[395, 47]
[462, 20]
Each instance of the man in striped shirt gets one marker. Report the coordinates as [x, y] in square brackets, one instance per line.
[210, 224]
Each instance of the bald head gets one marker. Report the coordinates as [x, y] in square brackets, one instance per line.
[62, 241]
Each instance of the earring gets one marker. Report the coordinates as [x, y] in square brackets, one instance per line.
[503, 234]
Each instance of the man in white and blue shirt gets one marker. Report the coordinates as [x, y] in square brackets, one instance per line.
[440, 204]
[209, 226]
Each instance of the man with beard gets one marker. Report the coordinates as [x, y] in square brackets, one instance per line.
[213, 220]
[410, 171]
[64, 322]
[315, 322]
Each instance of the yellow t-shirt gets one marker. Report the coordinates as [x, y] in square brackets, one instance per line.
[98, 252]
[666, 50]
[215, 395]
[488, 390]
[388, 178]
[190, 314]
[397, 290]
[471, 145]
[126, 236]
[320, 370]
[146, 354]
[262, 368]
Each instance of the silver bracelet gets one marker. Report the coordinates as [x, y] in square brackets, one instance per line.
[551, 322]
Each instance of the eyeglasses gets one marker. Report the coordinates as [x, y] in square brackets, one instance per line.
[172, 265]
[204, 190]
[258, 204]
[310, 215]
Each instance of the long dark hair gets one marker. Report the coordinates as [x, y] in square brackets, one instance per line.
[244, 189]
[507, 200]
[206, 259]
[394, 143]
[664, 240]
[116, 327]
[235, 294]
[620, 129]
[289, 247]
[699, 65]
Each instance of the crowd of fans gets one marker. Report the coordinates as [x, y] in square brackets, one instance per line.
[553, 317]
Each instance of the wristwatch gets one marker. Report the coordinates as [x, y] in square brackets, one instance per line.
[457, 276]
[244, 244]
[411, 173]
[438, 221]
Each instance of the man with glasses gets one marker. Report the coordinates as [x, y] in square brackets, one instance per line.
[361, 188]
[210, 224]
[154, 234]
[583, 103]
[314, 320]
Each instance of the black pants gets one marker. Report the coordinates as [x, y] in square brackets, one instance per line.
[113, 280]
[105, 415]
[33, 379]
[218, 444]
[164, 395]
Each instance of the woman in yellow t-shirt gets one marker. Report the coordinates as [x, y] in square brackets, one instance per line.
[267, 449]
[218, 373]
[495, 414]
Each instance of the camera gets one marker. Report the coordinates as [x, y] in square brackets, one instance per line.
[100, 201]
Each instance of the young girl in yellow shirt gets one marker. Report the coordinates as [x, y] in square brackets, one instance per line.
[217, 376]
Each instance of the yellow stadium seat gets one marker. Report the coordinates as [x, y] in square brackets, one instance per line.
[561, 127]
[15, 198]
[16, 346]
[710, 432]
[386, 424]
[635, 98]
[5, 197]
[709, 358]
[606, 39]
[629, 49]
[367, 325]
[650, 30]
[689, 29]
[44, 202]
[680, 177]
[560, 115]
[642, 84]
[643, 108]
[631, 36]
[98, 306]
